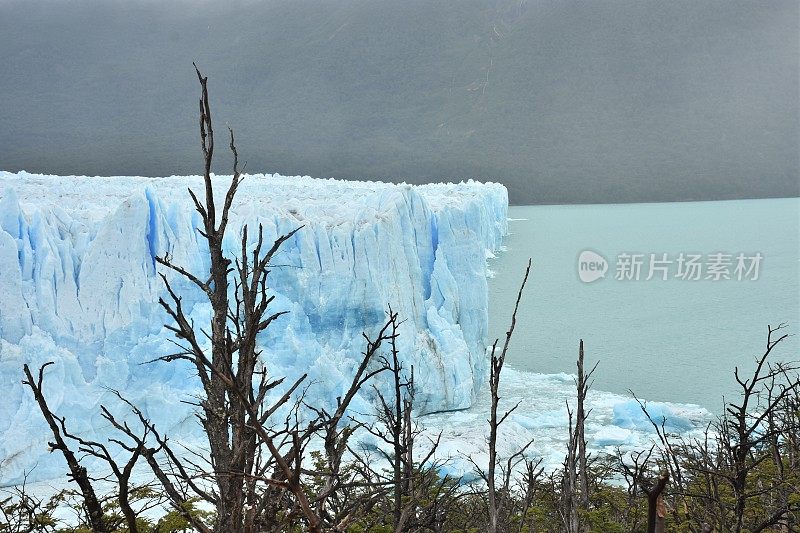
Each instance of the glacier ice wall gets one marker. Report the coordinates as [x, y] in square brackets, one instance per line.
[79, 286]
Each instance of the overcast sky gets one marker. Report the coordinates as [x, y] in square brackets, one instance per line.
[564, 101]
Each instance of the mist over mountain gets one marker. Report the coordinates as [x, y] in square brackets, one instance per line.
[563, 101]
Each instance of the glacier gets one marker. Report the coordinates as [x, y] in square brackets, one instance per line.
[79, 287]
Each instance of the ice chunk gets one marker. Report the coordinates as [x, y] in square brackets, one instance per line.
[612, 436]
[628, 414]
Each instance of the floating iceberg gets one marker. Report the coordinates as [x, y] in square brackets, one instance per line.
[79, 286]
[630, 415]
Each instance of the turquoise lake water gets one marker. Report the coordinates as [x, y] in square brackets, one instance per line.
[673, 340]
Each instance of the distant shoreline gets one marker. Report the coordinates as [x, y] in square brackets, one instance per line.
[686, 201]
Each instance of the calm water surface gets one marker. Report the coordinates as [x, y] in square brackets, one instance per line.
[673, 340]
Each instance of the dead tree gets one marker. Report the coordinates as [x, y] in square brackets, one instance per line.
[339, 515]
[395, 429]
[234, 409]
[656, 509]
[635, 473]
[634, 470]
[723, 464]
[530, 486]
[77, 472]
[409, 495]
[499, 493]
[395, 414]
[575, 483]
[758, 429]
[582, 383]
[745, 429]
[247, 450]
[27, 511]
[124, 492]
[569, 481]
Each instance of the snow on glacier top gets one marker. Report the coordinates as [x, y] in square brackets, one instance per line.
[328, 201]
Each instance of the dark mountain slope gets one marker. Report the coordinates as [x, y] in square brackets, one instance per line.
[562, 100]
